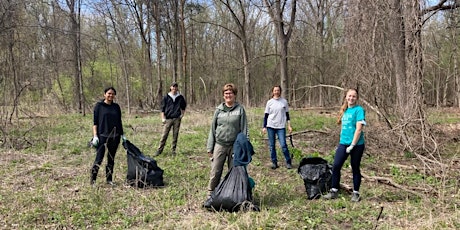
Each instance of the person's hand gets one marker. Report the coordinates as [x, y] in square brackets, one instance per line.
[210, 156]
[163, 120]
[349, 148]
[95, 141]
[123, 138]
[264, 130]
[289, 129]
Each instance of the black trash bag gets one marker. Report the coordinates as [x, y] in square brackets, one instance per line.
[316, 174]
[143, 171]
[233, 193]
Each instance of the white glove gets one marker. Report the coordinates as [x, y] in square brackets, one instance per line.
[349, 148]
[95, 141]
[123, 138]
[163, 120]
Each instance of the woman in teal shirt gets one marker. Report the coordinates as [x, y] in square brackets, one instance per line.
[352, 117]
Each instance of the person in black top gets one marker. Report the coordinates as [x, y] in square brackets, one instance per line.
[107, 131]
[172, 110]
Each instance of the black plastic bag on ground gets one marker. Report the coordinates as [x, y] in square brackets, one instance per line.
[316, 174]
[234, 192]
[143, 171]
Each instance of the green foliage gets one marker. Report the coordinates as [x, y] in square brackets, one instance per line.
[49, 184]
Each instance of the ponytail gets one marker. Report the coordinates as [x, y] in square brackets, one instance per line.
[342, 110]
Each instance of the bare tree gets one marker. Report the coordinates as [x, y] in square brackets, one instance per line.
[276, 10]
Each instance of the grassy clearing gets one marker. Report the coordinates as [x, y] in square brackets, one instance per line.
[46, 184]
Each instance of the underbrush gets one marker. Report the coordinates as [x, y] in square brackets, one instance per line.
[45, 181]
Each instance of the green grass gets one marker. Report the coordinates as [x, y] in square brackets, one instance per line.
[45, 184]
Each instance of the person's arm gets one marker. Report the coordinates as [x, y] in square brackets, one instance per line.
[357, 134]
[288, 120]
[212, 135]
[264, 128]
[95, 120]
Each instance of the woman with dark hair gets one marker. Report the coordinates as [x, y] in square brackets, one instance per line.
[275, 119]
[352, 118]
[107, 131]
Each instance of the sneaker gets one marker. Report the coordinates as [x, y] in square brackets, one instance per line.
[289, 166]
[274, 165]
[173, 152]
[111, 183]
[157, 153]
[92, 182]
[331, 195]
[355, 197]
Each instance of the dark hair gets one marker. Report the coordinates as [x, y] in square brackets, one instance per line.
[110, 88]
[276, 86]
[231, 87]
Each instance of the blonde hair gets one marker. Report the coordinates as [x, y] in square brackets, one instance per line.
[345, 105]
[231, 87]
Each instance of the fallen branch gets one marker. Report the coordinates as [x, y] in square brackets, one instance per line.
[390, 182]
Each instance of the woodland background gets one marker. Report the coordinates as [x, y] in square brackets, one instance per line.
[57, 56]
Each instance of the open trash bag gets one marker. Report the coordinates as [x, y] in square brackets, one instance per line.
[316, 174]
[143, 171]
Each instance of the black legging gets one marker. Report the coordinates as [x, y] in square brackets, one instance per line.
[112, 146]
[355, 159]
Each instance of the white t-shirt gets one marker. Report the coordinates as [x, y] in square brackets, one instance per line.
[276, 109]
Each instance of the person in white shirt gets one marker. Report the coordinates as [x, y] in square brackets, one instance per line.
[275, 119]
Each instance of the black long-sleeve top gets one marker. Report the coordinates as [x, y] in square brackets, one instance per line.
[107, 118]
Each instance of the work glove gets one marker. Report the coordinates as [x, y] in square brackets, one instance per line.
[95, 141]
[123, 138]
[163, 120]
[349, 148]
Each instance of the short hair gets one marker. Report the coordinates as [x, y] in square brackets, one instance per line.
[231, 87]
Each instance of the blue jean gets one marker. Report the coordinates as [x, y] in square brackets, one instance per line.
[281, 133]
[355, 159]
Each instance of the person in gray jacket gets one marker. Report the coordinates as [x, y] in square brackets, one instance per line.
[228, 121]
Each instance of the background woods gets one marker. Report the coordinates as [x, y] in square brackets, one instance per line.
[58, 55]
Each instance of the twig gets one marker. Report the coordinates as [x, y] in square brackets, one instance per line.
[390, 182]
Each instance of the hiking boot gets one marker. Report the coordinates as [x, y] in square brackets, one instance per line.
[157, 153]
[331, 195]
[274, 165]
[355, 197]
[289, 166]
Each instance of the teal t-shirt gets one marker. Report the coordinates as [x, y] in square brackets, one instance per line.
[350, 117]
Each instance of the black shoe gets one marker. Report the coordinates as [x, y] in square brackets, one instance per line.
[289, 166]
[274, 165]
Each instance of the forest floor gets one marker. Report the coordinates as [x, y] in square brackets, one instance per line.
[44, 166]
